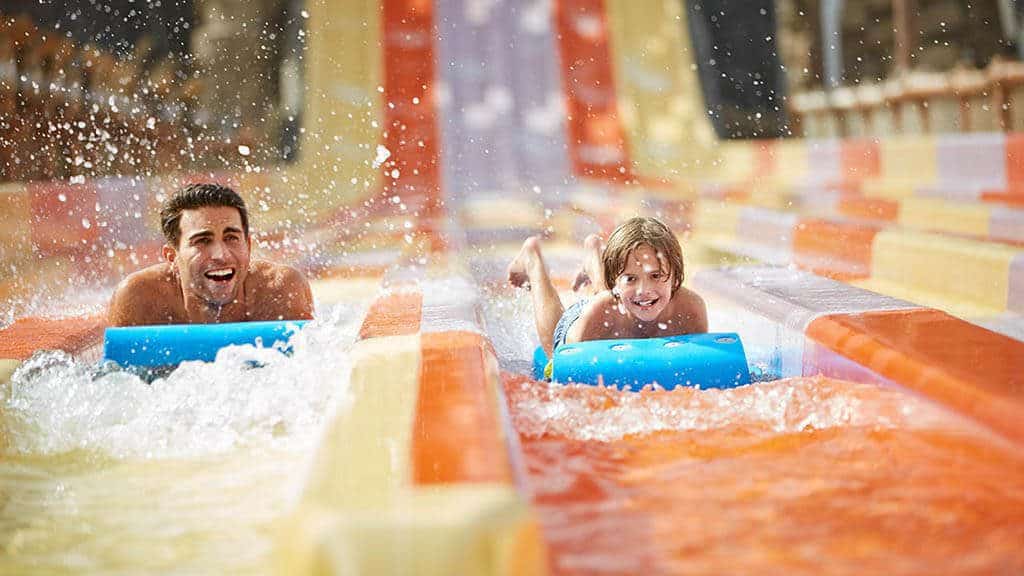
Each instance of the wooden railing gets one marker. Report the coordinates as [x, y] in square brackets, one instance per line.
[914, 93]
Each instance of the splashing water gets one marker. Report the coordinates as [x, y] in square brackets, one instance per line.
[799, 476]
[55, 404]
[586, 412]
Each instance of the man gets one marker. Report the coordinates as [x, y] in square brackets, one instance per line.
[208, 276]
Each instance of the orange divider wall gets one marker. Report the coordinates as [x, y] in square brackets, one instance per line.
[974, 371]
[860, 159]
[869, 208]
[841, 250]
[1014, 159]
[458, 437]
[395, 314]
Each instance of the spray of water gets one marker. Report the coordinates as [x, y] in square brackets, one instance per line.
[247, 396]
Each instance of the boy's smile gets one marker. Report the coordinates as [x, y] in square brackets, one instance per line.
[645, 285]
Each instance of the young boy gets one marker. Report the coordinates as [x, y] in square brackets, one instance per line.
[640, 296]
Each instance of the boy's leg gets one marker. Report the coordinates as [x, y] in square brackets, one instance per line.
[529, 270]
[590, 279]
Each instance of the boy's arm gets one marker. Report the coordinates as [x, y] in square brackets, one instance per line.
[594, 323]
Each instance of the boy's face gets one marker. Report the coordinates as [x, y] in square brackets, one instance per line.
[645, 284]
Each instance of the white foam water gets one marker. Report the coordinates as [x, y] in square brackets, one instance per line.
[771, 407]
[55, 403]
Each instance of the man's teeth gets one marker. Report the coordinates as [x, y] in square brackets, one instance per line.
[220, 273]
[645, 302]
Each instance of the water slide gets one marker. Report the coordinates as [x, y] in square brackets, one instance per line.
[876, 284]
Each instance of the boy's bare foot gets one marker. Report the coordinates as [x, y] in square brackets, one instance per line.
[592, 268]
[582, 280]
[519, 269]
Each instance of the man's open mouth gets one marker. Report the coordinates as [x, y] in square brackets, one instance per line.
[646, 303]
[220, 274]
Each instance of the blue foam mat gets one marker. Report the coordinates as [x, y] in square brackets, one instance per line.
[171, 344]
[715, 360]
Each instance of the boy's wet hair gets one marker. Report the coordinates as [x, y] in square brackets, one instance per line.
[196, 196]
[637, 232]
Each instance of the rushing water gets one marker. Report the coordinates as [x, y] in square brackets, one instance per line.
[799, 476]
[804, 476]
[103, 473]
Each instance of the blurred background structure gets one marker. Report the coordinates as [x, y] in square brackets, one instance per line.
[846, 179]
[180, 85]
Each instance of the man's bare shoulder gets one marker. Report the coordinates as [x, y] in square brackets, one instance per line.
[279, 292]
[157, 274]
[274, 275]
[271, 279]
[147, 296]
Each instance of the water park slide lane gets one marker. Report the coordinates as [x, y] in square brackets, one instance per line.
[430, 488]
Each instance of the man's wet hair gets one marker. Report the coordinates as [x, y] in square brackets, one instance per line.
[637, 232]
[196, 196]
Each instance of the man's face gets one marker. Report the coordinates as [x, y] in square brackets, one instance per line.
[212, 256]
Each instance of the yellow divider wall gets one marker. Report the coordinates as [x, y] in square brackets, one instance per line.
[7, 368]
[657, 88]
[343, 114]
[15, 226]
[956, 268]
[363, 457]
[790, 161]
[716, 218]
[907, 163]
[737, 162]
[909, 158]
[936, 214]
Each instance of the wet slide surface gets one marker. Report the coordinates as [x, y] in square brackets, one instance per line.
[803, 476]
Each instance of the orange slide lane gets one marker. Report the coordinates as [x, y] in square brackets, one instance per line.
[72, 335]
[411, 132]
[597, 140]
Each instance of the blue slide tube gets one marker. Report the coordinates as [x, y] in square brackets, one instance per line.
[171, 344]
[704, 360]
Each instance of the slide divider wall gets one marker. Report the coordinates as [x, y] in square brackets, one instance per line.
[800, 324]
[418, 472]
